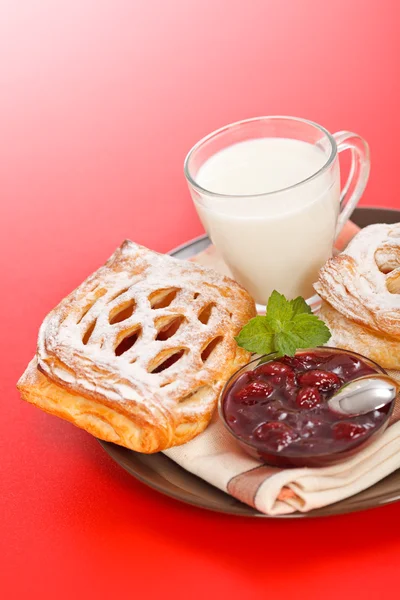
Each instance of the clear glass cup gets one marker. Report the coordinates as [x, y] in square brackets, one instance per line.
[277, 238]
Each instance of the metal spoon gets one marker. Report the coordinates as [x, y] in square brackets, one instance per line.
[364, 395]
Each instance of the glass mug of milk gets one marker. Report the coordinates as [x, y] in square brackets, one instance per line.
[268, 193]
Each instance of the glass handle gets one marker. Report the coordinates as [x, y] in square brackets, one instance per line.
[358, 176]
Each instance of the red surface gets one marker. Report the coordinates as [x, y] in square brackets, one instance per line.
[99, 102]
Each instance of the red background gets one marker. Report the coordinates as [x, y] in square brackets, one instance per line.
[99, 103]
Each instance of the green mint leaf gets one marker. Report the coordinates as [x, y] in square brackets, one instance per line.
[286, 343]
[309, 331]
[257, 336]
[287, 327]
[279, 311]
[300, 306]
[303, 331]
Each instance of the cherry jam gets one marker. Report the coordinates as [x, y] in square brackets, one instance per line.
[281, 406]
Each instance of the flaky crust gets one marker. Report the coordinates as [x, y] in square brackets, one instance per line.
[361, 282]
[352, 336]
[105, 353]
[361, 291]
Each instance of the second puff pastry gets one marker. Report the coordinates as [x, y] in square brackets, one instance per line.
[360, 289]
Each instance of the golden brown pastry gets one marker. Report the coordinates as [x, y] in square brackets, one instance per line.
[361, 291]
[138, 353]
[347, 334]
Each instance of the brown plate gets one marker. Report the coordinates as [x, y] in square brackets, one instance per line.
[165, 476]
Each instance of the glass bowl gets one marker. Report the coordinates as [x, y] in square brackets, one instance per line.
[317, 436]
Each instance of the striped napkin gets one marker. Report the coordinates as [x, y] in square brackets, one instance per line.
[216, 457]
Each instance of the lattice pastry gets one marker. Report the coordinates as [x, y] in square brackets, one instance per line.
[361, 289]
[138, 353]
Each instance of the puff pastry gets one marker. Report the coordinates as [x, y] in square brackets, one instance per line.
[361, 290]
[138, 354]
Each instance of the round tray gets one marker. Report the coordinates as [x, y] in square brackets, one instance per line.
[165, 476]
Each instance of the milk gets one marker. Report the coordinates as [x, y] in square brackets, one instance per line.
[271, 240]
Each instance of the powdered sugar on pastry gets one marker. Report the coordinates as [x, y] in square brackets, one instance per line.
[150, 338]
[361, 283]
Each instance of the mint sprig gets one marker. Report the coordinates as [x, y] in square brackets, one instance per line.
[287, 326]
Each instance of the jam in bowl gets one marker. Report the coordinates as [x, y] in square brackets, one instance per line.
[276, 407]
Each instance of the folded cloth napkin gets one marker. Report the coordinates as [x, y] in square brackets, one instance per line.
[216, 457]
